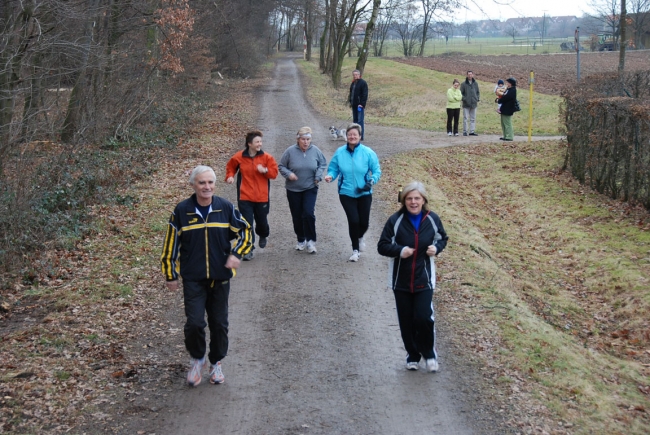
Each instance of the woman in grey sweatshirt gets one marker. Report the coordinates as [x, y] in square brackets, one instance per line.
[302, 165]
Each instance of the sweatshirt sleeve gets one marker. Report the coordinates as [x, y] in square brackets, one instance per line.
[169, 256]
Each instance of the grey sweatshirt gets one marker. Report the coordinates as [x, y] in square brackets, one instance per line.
[308, 167]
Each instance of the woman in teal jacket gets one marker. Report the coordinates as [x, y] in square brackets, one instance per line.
[357, 168]
[454, 97]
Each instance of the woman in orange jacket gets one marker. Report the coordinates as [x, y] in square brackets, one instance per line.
[254, 169]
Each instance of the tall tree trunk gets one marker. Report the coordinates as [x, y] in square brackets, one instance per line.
[623, 39]
[73, 115]
[323, 38]
[370, 28]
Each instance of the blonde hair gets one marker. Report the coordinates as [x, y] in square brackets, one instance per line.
[303, 130]
[419, 187]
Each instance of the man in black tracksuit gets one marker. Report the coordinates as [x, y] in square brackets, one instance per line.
[357, 99]
[200, 234]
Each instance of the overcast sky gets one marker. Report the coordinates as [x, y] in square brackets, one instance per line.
[503, 9]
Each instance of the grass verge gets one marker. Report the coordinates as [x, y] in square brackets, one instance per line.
[545, 281]
[413, 97]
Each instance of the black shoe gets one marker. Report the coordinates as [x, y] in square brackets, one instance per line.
[464, 134]
[508, 140]
[502, 138]
[262, 242]
[473, 134]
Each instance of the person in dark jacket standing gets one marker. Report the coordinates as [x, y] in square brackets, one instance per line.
[357, 98]
[471, 97]
[508, 102]
[209, 237]
[412, 237]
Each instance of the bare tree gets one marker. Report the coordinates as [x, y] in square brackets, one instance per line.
[343, 18]
[468, 28]
[409, 28]
[512, 31]
[429, 9]
[370, 28]
[607, 13]
[384, 23]
[445, 29]
[639, 15]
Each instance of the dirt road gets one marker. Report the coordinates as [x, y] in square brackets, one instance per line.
[314, 342]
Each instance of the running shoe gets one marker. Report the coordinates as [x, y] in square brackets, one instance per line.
[195, 374]
[216, 375]
[249, 256]
[301, 246]
[354, 256]
[311, 246]
[362, 245]
[432, 365]
[262, 242]
[412, 365]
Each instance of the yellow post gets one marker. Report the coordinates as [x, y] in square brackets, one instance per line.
[530, 107]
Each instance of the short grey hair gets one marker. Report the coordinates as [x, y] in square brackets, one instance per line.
[199, 170]
[419, 187]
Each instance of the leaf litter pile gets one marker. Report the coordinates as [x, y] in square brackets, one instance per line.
[82, 340]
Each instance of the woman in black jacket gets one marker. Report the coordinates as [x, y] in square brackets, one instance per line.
[412, 237]
[508, 102]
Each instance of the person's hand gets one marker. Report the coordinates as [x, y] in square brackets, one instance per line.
[232, 262]
[230, 180]
[432, 250]
[172, 285]
[292, 177]
[406, 252]
[261, 169]
[328, 178]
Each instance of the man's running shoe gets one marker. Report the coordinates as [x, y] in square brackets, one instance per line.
[301, 246]
[432, 365]
[262, 242]
[311, 246]
[354, 256]
[412, 365]
[362, 245]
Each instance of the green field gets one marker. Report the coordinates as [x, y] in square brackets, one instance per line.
[483, 46]
[413, 97]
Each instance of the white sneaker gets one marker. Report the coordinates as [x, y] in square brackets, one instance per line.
[362, 245]
[449, 133]
[354, 256]
[431, 365]
[311, 246]
[216, 375]
[412, 365]
[301, 246]
[195, 375]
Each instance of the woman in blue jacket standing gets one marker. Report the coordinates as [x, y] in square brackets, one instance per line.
[357, 168]
[412, 237]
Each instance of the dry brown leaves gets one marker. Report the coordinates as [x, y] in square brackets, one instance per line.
[80, 340]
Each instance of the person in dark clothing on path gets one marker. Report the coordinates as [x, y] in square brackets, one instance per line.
[208, 237]
[357, 99]
[412, 237]
[508, 103]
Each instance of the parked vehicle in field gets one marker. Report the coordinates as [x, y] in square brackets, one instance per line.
[606, 42]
